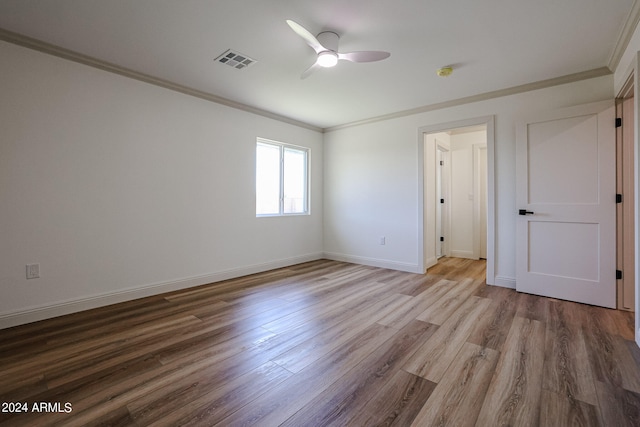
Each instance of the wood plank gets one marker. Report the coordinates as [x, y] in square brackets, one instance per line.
[63, 359]
[397, 403]
[110, 388]
[414, 285]
[457, 399]
[22, 387]
[457, 269]
[84, 341]
[339, 334]
[200, 400]
[281, 402]
[95, 405]
[608, 352]
[41, 332]
[417, 305]
[439, 312]
[618, 407]
[348, 395]
[513, 398]
[533, 307]
[433, 358]
[334, 305]
[228, 342]
[567, 371]
[492, 328]
[562, 410]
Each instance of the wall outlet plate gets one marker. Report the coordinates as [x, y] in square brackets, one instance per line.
[33, 271]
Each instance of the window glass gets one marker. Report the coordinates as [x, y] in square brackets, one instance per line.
[281, 179]
[294, 181]
[267, 179]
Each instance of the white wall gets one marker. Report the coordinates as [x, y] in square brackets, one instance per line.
[371, 177]
[121, 189]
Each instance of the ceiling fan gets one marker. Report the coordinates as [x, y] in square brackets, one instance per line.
[326, 46]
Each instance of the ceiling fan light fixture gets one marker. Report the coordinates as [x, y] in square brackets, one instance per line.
[326, 47]
[327, 59]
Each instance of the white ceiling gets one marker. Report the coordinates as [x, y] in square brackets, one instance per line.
[492, 44]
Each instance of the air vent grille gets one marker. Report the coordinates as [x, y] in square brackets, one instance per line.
[235, 59]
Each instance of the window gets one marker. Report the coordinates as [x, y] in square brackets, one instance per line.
[282, 178]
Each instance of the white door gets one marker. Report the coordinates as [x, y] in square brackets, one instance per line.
[566, 227]
[443, 230]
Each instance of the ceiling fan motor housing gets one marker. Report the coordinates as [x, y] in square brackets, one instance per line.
[329, 40]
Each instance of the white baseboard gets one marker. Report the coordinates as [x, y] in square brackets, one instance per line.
[33, 314]
[374, 262]
[505, 282]
[430, 263]
[463, 254]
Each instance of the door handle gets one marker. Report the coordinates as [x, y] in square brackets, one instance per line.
[525, 212]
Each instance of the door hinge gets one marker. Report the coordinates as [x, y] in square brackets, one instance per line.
[442, 239]
[441, 162]
[441, 200]
[618, 274]
[618, 198]
[618, 122]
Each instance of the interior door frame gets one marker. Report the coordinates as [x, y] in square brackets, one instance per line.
[625, 260]
[477, 200]
[489, 123]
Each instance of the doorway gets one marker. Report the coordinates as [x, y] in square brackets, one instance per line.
[456, 193]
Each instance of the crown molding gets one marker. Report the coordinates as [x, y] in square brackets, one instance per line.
[48, 48]
[569, 78]
[625, 36]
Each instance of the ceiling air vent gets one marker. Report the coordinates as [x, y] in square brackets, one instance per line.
[235, 59]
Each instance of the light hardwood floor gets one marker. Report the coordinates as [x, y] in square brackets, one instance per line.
[329, 343]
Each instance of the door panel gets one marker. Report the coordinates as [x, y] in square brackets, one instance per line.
[564, 249]
[566, 183]
[554, 175]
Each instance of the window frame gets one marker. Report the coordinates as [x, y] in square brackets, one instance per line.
[307, 177]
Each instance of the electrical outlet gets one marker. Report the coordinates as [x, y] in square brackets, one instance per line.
[383, 240]
[33, 271]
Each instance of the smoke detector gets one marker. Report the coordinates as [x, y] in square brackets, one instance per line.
[444, 71]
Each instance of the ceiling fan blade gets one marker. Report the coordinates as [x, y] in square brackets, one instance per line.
[306, 35]
[310, 70]
[364, 56]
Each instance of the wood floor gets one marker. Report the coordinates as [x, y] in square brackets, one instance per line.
[328, 343]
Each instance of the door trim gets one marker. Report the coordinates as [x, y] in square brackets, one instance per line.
[625, 211]
[489, 122]
[477, 202]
